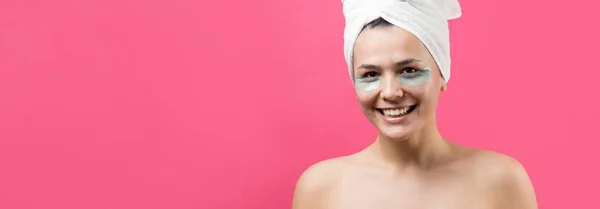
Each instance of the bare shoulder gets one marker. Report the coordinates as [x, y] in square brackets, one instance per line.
[495, 164]
[499, 168]
[320, 175]
[316, 183]
[506, 178]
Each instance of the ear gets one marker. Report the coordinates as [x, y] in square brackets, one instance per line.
[443, 86]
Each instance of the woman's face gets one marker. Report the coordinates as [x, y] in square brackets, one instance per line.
[397, 81]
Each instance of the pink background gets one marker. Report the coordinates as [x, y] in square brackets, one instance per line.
[222, 104]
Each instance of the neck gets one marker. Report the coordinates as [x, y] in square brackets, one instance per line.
[422, 149]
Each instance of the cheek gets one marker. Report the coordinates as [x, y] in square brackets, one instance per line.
[429, 95]
[422, 94]
[366, 99]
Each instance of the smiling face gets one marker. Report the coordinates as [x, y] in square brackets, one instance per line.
[397, 81]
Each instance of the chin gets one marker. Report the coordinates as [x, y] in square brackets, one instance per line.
[395, 133]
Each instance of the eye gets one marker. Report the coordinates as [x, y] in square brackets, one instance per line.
[370, 74]
[409, 70]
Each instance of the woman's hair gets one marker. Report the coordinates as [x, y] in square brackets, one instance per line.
[379, 22]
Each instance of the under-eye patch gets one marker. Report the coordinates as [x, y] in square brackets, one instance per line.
[367, 84]
[409, 78]
[415, 78]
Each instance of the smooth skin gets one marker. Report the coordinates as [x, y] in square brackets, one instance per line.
[410, 165]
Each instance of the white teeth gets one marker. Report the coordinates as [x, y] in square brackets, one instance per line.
[396, 112]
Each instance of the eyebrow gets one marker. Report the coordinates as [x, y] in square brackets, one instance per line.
[397, 64]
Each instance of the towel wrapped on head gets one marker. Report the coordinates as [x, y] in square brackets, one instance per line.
[426, 19]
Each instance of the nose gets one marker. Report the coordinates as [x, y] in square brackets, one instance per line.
[391, 89]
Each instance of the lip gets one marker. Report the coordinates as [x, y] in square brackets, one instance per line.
[394, 120]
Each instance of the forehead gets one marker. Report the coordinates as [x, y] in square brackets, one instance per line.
[387, 44]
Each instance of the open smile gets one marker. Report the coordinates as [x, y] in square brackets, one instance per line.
[396, 114]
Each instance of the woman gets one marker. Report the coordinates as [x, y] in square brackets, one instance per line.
[398, 58]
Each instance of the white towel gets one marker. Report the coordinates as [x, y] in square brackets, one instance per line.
[426, 19]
